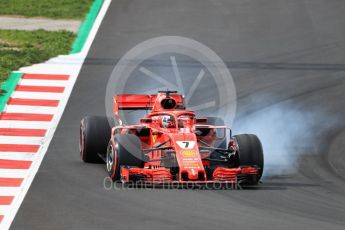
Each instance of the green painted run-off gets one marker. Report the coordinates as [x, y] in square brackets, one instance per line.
[7, 88]
[86, 26]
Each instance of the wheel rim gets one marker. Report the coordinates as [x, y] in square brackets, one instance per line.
[110, 158]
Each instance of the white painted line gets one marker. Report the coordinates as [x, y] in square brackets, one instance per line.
[35, 95]
[14, 173]
[5, 209]
[24, 124]
[17, 156]
[9, 191]
[20, 140]
[43, 82]
[31, 109]
[56, 68]
[95, 27]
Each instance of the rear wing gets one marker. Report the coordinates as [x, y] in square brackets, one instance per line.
[133, 102]
[141, 101]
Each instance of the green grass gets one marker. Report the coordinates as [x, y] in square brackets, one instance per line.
[69, 9]
[23, 48]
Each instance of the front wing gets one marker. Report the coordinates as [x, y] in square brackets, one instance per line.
[161, 176]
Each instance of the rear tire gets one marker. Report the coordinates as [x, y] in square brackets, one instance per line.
[95, 132]
[125, 150]
[250, 154]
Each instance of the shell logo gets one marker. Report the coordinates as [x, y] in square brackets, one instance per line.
[188, 153]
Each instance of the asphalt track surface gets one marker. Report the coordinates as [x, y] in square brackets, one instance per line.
[288, 51]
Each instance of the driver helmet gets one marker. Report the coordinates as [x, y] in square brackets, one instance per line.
[168, 121]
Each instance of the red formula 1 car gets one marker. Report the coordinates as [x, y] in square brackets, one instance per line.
[169, 145]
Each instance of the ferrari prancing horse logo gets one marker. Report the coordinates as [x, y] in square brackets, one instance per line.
[154, 138]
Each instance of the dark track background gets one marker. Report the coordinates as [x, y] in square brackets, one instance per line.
[283, 50]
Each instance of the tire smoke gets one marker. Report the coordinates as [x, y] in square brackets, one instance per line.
[286, 132]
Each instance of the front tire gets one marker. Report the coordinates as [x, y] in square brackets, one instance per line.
[123, 150]
[250, 154]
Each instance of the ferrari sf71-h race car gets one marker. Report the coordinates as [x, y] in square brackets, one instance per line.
[169, 145]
